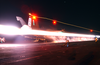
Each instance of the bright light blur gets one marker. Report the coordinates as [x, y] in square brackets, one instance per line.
[75, 39]
[29, 13]
[54, 22]
[34, 17]
[25, 27]
[91, 30]
[11, 30]
[11, 45]
[26, 30]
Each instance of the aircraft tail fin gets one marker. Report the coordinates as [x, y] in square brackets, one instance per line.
[33, 24]
[21, 20]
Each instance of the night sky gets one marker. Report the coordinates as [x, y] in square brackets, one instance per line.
[78, 12]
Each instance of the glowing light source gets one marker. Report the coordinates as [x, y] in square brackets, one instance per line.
[29, 13]
[34, 17]
[91, 30]
[54, 22]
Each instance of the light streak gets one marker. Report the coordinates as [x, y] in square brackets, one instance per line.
[25, 30]
[11, 45]
[10, 30]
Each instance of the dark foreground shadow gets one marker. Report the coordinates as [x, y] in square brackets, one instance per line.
[86, 60]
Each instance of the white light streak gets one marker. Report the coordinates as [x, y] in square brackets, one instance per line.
[11, 45]
[25, 30]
